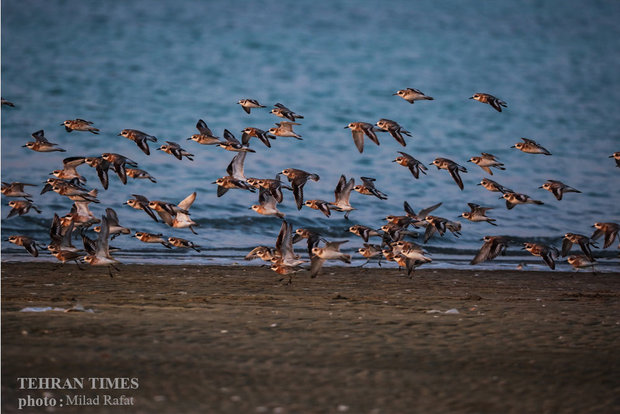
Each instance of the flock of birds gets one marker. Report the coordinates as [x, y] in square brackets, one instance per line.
[396, 237]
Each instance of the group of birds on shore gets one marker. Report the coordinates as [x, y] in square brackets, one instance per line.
[396, 237]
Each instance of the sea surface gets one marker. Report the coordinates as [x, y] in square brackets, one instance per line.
[160, 66]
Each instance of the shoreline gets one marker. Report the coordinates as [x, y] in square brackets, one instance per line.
[229, 339]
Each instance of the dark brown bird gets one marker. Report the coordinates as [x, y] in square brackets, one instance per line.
[140, 138]
[298, 179]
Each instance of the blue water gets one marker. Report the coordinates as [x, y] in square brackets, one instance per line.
[160, 66]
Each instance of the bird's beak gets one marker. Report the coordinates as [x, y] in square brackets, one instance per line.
[394, 94]
[24, 146]
[189, 139]
[471, 97]
[501, 197]
[393, 160]
[214, 182]
[479, 184]
[62, 124]
[348, 126]
[119, 135]
[468, 160]
[514, 146]
[540, 186]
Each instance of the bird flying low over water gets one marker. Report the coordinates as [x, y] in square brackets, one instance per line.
[512, 199]
[312, 237]
[41, 144]
[584, 243]
[176, 216]
[283, 112]
[580, 262]
[232, 143]
[205, 137]
[69, 170]
[235, 177]
[140, 202]
[249, 104]
[343, 194]
[547, 253]
[558, 188]
[298, 179]
[21, 207]
[7, 103]
[26, 242]
[145, 237]
[267, 204]
[358, 130]
[183, 243]
[616, 156]
[331, 251]
[494, 186]
[321, 205]
[140, 138]
[175, 150]
[496, 103]
[114, 228]
[15, 189]
[415, 166]
[609, 230]
[102, 256]
[395, 130]
[138, 174]
[274, 186]
[493, 246]
[250, 132]
[452, 167]
[531, 147]
[286, 262]
[486, 161]
[79, 125]
[101, 166]
[411, 95]
[118, 163]
[264, 253]
[368, 188]
[364, 232]
[478, 213]
[285, 129]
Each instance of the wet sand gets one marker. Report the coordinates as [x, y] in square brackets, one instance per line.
[235, 340]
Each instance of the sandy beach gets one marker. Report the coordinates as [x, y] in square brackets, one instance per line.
[236, 340]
